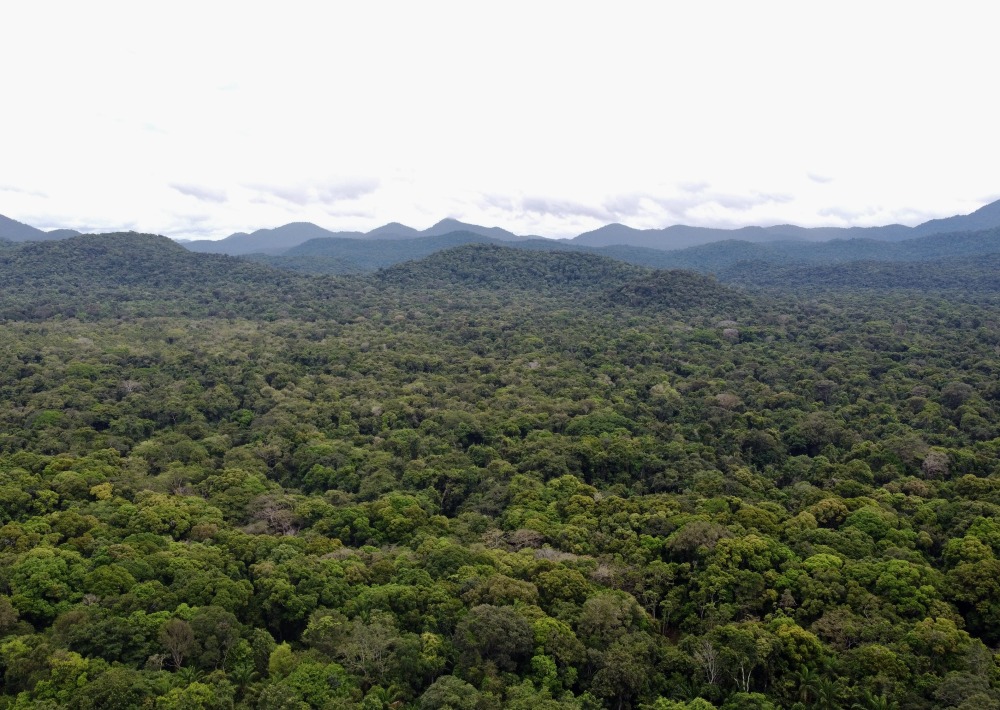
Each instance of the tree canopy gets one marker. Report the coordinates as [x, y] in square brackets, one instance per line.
[492, 478]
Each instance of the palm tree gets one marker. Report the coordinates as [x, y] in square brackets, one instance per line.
[190, 674]
[827, 695]
[390, 697]
[241, 676]
[870, 701]
[808, 679]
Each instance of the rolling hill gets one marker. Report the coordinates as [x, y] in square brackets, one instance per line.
[130, 274]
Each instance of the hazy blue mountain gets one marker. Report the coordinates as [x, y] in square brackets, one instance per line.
[855, 242]
[280, 240]
[267, 241]
[447, 226]
[277, 241]
[393, 230]
[668, 238]
[14, 231]
[682, 236]
[340, 256]
[889, 233]
[985, 217]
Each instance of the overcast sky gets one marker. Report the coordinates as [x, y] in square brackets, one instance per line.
[198, 119]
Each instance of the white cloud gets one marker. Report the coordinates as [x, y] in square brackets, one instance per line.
[200, 192]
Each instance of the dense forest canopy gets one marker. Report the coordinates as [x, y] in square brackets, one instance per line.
[493, 478]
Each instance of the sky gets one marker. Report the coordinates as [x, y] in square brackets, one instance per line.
[199, 119]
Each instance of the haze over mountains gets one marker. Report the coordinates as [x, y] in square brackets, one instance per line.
[278, 239]
[680, 236]
[306, 247]
[281, 239]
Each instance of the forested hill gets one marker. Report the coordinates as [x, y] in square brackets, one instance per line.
[585, 279]
[492, 266]
[124, 258]
[144, 274]
[352, 256]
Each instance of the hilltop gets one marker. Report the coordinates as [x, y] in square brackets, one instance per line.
[145, 274]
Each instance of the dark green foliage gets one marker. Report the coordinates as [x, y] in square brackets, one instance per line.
[141, 275]
[494, 267]
[979, 274]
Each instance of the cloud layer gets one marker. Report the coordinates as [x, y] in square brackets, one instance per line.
[549, 118]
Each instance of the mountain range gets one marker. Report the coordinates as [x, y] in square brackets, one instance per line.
[335, 255]
[280, 240]
[762, 255]
[128, 273]
[680, 236]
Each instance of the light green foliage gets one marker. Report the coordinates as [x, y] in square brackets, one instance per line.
[281, 662]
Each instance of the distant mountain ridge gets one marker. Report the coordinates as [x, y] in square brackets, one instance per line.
[267, 241]
[347, 256]
[280, 240]
[985, 217]
[277, 241]
[14, 231]
[682, 236]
